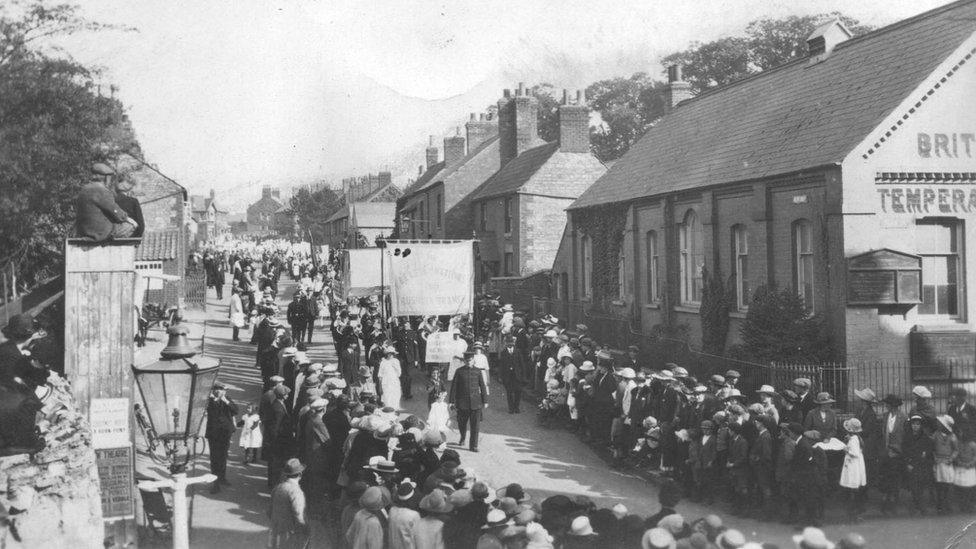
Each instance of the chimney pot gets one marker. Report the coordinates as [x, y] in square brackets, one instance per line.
[506, 93]
[565, 96]
[676, 90]
[521, 88]
[472, 116]
[481, 116]
[431, 141]
[581, 97]
[674, 73]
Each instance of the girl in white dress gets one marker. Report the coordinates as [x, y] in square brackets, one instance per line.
[389, 377]
[251, 438]
[439, 417]
[853, 477]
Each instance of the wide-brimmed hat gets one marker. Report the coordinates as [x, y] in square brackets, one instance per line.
[496, 518]
[372, 499]
[947, 422]
[405, 489]
[657, 538]
[276, 379]
[734, 393]
[436, 502]
[319, 404]
[20, 326]
[812, 538]
[514, 491]
[666, 375]
[626, 373]
[824, 398]
[766, 390]
[921, 391]
[587, 366]
[581, 526]
[730, 538]
[680, 372]
[852, 425]
[866, 394]
[293, 468]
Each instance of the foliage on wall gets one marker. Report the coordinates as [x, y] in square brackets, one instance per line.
[604, 226]
[778, 328]
[714, 315]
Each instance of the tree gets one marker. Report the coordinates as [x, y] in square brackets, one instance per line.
[714, 316]
[766, 43]
[312, 209]
[54, 123]
[547, 118]
[627, 107]
[778, 328]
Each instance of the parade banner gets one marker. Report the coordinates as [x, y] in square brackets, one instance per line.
[361, 274]
[433, 279]
[440, 347]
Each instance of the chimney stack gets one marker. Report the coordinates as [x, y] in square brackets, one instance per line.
[385, 178]
[517, 123]
[574, 124]
[479, 128]
[677, 90]
[453, 148]
[431, 153]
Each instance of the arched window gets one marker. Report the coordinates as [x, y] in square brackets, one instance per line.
[740, 265]
[691, 258]
[586, 267]
[653, 266]
[803, 261]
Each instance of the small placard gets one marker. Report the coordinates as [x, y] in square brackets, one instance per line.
[109, 419]
[116, 482]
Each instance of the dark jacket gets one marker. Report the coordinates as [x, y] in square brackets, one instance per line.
[220, 417]
[827, 425]
[739, 452]
[97, 212]
[132, 208]
[13, 363]
[468, 391]
[297, 313]
[510, 367]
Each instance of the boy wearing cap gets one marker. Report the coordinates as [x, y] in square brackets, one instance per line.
[890, 459]
[287, 511]
[917, 450]
[221, 411]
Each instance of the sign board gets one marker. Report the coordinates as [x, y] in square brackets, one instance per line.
[116, 482]
[109, 419]
[362, 273]
[440, 347]
[433, 279]
[884, 277]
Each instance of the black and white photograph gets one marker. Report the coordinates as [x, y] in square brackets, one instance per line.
[418, 274]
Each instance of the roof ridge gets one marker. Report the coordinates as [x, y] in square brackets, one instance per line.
[843, 45]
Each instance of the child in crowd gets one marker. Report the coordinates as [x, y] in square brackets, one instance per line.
[965, 474]
[439, 416]
[853, 476]
[251, 438]
[919, 464]
[435, 386]
[945, 448]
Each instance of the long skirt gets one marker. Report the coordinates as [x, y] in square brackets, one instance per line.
[945, 472]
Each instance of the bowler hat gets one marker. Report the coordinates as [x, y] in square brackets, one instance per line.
[293, 468]
[20, 326]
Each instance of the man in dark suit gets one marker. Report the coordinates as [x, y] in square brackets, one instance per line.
[279, 436]
[468, 396]
[510, 366]
[298, 315]
[962, 413]
[221, 413]
[602, 403]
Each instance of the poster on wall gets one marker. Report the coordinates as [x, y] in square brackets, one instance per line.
[109, 420]
[116, 482]
[432, 279]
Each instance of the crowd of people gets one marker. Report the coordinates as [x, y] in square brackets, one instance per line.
[338, 445]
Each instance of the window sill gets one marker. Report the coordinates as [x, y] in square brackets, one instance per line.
[618, 303]
[655, 305]
[688, 308]
[737, 314]
[941, 325]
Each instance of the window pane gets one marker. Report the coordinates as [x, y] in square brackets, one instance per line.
[931, 238]
[927, 307]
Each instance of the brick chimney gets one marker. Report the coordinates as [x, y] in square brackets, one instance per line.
[480, 128]
[385, 179]
[453, 148]
[372, 185]
[517, 123]
[431, 153]
[574, 124]
[266, 191]
[677, 90]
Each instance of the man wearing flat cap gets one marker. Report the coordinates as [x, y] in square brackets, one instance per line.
[98, 216]
[221, 411]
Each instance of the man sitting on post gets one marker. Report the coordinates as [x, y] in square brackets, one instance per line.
[99, 217]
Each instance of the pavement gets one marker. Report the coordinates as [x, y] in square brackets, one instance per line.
[513, 448]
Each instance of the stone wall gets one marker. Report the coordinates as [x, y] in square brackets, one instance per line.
[52, 498]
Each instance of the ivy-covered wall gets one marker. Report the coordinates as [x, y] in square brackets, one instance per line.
[604, 226]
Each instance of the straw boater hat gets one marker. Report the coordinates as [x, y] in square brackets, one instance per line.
[866, 394]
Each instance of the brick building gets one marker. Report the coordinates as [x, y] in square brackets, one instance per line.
[519, 212]
[437, 205]
[261, 214]
[369, 215]
[211, 220]
[848, 175]
[170, 230]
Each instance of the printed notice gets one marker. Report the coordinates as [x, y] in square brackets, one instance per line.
[116, 482]
[109, 419]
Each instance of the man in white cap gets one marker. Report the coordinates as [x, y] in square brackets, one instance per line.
[923, 402]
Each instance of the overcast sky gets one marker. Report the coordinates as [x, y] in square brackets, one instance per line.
[233, 94]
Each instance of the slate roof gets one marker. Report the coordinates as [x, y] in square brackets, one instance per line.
[543, 170]
[516, 173]
[793, 117]
[388, 188]
[339, 214]
[373, 214]
[159, 245]
[448, 172]
[423, 179]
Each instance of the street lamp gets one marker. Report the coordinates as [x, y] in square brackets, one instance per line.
[174, 392]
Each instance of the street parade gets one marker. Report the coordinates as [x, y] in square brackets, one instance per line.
[546, 275]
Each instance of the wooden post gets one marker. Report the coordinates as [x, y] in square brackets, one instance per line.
[99, 331]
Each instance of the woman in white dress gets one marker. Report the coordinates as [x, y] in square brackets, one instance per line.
[853, 477]
[389, 377]
[236, 313]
